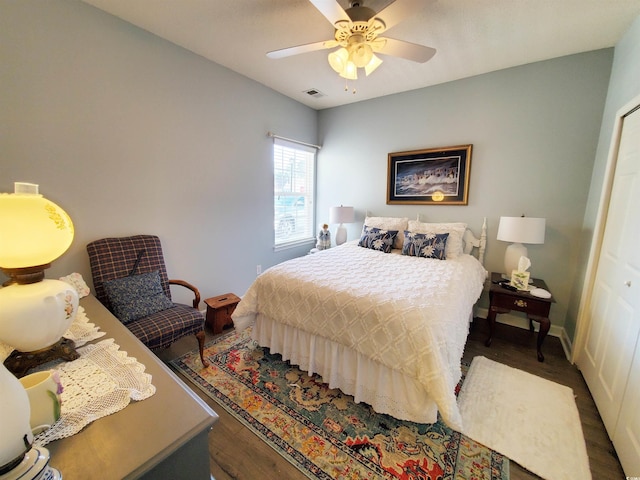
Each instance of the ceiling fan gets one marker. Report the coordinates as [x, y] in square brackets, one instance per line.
[357, 34]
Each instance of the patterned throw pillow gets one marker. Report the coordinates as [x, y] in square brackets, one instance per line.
[455, 231]
[377, 239]
[389, 223]
[136, 296]
[427, 245]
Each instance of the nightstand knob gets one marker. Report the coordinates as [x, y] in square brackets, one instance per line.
[520, 303]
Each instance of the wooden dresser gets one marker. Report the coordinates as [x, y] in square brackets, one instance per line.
[164, 436]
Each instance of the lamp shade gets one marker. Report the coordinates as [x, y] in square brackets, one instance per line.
[341, 61]
[338, 59]
[341, 214]
[374, 63]
[521, 230]
[350, 71]
[35, 231]
[360, 54]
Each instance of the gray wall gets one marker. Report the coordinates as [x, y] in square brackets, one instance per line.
[132, 134]
[624, 86]
[534, 131]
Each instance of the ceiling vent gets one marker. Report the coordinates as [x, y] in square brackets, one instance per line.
[314, 92]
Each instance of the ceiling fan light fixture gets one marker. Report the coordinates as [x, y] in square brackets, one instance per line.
[338, 59]
[356, 39]
[360, 54]
[374, 63]
[350, 71]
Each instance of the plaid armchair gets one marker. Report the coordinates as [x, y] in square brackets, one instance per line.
[132, 267]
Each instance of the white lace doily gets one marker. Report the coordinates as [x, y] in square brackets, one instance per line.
[77, 282]
[81, 330]
[101, 382]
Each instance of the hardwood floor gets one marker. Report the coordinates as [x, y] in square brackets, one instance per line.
[236, 453]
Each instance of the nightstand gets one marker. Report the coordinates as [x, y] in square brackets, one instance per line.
[537, 309]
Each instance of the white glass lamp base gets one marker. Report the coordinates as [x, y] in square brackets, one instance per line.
[35, 316]
[341, 235]
[512, 257]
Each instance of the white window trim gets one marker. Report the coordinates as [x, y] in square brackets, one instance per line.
[309, 148]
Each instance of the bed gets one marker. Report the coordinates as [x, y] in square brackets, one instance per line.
[386, 327]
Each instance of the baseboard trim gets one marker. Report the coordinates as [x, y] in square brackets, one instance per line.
[522, 322]
[567, 345]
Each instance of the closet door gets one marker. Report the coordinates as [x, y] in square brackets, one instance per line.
[627, 434]
[626, 438]
[607, 361]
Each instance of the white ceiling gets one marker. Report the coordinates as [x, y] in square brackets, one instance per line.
[471, 37]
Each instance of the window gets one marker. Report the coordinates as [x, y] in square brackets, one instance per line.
[294, 172]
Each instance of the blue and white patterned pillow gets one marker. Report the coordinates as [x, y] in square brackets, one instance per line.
[427, 245]
[136, 296]
[377, 239]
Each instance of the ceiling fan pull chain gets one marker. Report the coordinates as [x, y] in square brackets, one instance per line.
[346, 87]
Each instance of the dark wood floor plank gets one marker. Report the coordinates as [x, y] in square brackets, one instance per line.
[237, 454]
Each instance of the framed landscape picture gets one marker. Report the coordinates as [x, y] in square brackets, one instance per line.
[436, 176]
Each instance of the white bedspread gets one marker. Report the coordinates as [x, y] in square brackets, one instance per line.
[409, 314]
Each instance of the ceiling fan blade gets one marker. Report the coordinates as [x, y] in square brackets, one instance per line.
[309, 47]
[331, 10]
[407, 50]
[399, 10]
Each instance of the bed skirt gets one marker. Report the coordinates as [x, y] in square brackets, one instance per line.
[385, 390]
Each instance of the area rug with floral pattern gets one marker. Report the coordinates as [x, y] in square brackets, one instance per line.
[322, 431]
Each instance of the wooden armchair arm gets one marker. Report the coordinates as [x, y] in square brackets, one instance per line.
[196, 292]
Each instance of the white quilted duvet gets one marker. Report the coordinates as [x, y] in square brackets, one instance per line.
[409, 314]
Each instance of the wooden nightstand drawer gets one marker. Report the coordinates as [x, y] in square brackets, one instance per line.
[528, 304]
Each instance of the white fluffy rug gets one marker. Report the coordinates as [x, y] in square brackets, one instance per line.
[531, 420]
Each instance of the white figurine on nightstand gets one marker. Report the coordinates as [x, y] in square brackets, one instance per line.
[324, 238]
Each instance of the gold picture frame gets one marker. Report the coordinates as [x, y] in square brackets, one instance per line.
[435, 176]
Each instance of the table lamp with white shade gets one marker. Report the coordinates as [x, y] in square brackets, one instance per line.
[519, 231]
[341, 215]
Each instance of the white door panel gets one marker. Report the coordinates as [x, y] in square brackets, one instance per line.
[610, 359]
[596, 334]
[627, 434]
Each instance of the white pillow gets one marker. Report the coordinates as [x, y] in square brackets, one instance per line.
[389, 223]
[456, 231]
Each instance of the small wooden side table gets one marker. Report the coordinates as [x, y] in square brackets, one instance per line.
[537, 309]
[219, 310]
